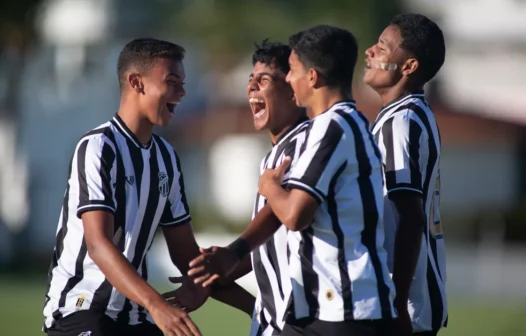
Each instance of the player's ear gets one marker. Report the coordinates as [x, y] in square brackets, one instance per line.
[410, 66]
[135, 82]
[314, 77]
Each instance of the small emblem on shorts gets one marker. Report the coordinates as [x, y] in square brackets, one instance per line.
[164, 187]
[80, 301]
[329, 295]
[130, 179]
[85, 333]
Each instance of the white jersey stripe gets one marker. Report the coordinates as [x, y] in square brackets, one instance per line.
[338, 264]
[270, 261]
[408, 136]
[141, 186]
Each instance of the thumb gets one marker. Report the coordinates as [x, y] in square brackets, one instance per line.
[176, 280]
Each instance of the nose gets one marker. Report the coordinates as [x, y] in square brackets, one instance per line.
[252, 85]
[370, 52]
[182, 92]
[287, 78]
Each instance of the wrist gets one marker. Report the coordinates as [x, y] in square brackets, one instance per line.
[240, 247]
[151, 303]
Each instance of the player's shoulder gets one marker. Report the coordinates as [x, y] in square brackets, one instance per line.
[98, 137]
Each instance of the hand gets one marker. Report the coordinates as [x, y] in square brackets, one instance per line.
[402, 324]
[273, 176]
[188, 296]
[172, 320]
[212, 265]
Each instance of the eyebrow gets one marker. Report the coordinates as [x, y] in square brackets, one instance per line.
[171, 74]
[261, 74]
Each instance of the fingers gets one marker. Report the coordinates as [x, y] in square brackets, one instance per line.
[285, 163]
[201, 279]
[199, 260]
[211, 280]
[196, 270]
[190, 324]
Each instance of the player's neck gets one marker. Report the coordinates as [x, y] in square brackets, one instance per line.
[393, 93]
[141, 128]
[324, 99]
[277, 134]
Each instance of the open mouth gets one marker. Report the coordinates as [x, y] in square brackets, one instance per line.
[258, 107]
[171, 106]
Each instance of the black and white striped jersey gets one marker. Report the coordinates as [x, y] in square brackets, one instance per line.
[142, 186]
[338, 265]
[269, 261]
[409, 139]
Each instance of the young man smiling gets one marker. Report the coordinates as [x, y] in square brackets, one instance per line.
[409, 53]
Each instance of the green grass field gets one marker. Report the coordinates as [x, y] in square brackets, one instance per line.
[22, 298]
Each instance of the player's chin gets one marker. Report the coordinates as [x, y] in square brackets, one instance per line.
[260, 125]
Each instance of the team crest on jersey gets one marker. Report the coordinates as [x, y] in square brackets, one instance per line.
[85, 333]
[164, 185]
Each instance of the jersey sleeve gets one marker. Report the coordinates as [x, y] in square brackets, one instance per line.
[95, 167]
[176, 211]
[320, 160]
[402, 139]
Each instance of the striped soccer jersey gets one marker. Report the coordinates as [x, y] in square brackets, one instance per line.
[409, 139]
[338, 265]
[143, 187]
[270, 261]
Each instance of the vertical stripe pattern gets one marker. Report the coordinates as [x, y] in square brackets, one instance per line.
[142, 186]
[338, 265]
[409, 139]
[270, 261]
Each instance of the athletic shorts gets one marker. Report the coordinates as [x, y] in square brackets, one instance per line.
[312, 327]
[88, 323]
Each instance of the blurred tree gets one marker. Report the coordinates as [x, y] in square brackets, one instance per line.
[16, 22]
[228, 28]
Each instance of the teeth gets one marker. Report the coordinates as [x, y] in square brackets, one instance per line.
[174, 102]
[256, 101]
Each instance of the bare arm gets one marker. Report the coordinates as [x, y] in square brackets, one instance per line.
[295, 208]
[408, 240]
[98, 228]
[236, 296]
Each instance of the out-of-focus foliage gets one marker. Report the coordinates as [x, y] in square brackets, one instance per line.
[228, 28]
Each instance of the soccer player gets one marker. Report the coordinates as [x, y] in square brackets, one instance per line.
[123, 183]
[273, 109]
[409, 52]
[333, 208]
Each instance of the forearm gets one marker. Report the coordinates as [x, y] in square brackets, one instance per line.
[235, 296]
[243, 268]
[261, 228]
[121, 274]
[283, 209]
[408, 242]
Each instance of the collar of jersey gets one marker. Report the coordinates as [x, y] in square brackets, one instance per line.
[124, 130]
[348, 102]
[386, 108]
[293, 127]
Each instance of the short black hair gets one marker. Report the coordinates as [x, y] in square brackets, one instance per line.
[332, 51]
[269, 53]
[140, 54]
[424, 39]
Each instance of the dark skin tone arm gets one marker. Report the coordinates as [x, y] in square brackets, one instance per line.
[98, 229]
[408, 241]
[217, 262]
[182, 248]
